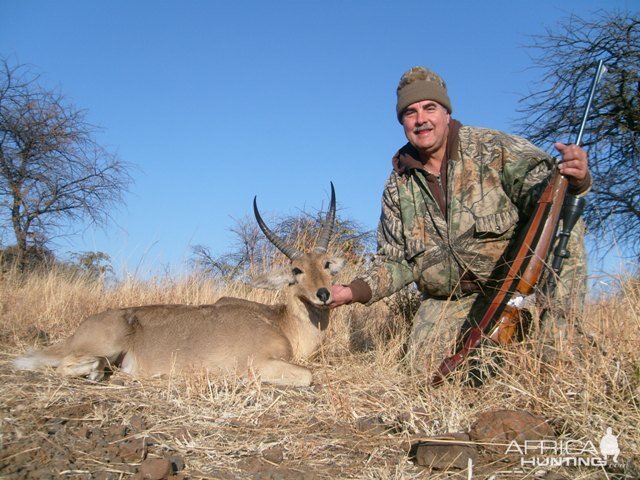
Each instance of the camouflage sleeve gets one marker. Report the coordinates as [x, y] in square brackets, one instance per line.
[525, 169]
[389, 270]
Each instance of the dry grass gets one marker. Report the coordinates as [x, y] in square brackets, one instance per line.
[356, 421]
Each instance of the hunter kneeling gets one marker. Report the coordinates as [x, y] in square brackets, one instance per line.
[451, 208]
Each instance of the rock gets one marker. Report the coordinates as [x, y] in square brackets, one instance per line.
[132, 451]
[154, 469]
[372, 426]
[253, 464]
[136, 423]
[445, 451]
[274, 454]
[177, 463]
[116, 432]
[504, 426]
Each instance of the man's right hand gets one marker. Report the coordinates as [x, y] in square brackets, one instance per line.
[341, 295]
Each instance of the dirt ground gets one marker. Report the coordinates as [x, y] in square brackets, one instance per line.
[128, 428]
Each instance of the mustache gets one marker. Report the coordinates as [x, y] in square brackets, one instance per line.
[421, 128]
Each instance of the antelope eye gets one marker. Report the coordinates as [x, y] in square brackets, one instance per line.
[297, 271]
[327, 265]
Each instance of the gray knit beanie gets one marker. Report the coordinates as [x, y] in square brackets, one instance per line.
[419, 84]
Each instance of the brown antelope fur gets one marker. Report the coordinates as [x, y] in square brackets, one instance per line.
[232, 335]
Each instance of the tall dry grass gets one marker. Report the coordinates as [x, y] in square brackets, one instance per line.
[366, 404]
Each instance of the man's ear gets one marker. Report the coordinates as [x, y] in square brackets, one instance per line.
[335, 264]
[273, 280]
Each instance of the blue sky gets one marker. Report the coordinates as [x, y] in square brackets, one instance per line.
[214, 102]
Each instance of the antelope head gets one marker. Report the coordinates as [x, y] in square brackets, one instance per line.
[309, 274]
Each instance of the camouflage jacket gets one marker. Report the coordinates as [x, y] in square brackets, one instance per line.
[493, 181]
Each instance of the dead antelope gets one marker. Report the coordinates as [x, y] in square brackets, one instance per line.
[232, 335]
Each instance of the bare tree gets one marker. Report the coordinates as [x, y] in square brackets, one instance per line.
[568, 56]
[52, 171]
[252, 252]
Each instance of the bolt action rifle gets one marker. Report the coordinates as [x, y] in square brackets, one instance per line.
[502, 318]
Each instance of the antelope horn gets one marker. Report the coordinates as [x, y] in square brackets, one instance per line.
[328, 225]
[277, 242]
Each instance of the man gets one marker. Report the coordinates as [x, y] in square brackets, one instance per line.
[450, 207]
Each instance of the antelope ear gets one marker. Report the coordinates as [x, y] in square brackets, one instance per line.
[273, 280]
[335, 264]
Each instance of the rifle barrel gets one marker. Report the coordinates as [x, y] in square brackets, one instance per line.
[594, 83]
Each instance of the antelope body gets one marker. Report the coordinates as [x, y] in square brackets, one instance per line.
[232, 335]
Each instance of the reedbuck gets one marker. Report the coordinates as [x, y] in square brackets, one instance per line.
[232, 335]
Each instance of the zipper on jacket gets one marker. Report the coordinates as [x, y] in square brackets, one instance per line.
[442, 192]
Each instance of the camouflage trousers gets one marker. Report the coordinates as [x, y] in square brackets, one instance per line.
[438, 323]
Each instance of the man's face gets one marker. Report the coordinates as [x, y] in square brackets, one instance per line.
[426, 126]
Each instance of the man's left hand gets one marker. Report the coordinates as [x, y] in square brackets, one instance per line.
[574, 164]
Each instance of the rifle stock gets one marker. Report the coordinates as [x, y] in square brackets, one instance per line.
[502, 317]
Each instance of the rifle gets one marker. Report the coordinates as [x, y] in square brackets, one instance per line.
[502, 317]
